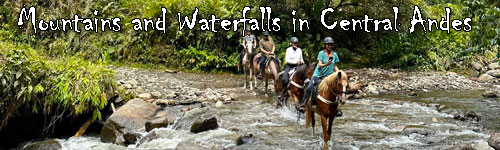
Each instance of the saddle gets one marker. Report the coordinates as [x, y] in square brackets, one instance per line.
[314, 93]
[290, 73]
[269, 59]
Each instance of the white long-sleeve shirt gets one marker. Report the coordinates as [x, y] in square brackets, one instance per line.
[293, 56]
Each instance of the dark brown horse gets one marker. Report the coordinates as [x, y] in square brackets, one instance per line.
[332, 89]
[297, 85]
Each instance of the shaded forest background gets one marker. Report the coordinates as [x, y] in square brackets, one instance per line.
[52, 72]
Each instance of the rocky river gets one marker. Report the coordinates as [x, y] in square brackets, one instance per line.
[391, 110]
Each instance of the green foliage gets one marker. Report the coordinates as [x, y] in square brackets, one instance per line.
[19, 83]
[51, 86]
[204, 60]
[79, 85]
[435, 50]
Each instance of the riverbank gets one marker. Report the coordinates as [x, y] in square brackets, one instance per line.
[425, 119]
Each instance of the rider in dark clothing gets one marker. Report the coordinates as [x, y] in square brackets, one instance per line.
[266, 47]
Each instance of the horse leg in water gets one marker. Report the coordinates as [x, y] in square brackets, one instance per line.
[245, 74]
[265, 88]
[255, 78]
[326, 137]
[296, 100]
[251, 77]
[330, 124]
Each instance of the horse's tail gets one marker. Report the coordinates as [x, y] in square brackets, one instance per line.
[309, 113]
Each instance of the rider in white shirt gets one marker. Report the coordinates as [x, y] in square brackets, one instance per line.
[293, 58]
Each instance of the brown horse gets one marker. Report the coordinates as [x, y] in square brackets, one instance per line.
[297, 85]
[332, 89]
[271, 71]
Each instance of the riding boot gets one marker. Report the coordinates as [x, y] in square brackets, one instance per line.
[339, 113]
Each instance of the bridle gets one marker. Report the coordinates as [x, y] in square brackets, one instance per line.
[336, 94]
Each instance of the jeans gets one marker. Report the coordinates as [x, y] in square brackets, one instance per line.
[313, 81]
[262, 62]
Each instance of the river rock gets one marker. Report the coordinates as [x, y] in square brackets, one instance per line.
[133, 82]
[494, 141]
[148, 137]
[43, 145]
[477, 66]
[204, 122]
[163, 103]
[156, 123]
[494, 66]
[410, 129]
[161, 119]
[233, 96]
[482, 145]
[188, 145]
[219, 104]
[187, 118]
[485, 78]
[371, 89]
[145, 96]
[244, 139]
[494, 73]
[412, 93]
[156, 94]
[491, 94]
[127, 86]
[124, 126]
[461, 147]
[473, 115]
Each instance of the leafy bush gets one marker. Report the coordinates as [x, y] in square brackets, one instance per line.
[20, 84]
[203, 60]
[51, 87]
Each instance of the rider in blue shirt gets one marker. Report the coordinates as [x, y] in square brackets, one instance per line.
[327, 64]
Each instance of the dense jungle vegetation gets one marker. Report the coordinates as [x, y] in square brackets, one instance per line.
[53, 72]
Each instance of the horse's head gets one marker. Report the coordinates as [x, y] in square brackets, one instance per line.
[337, 84]
[310, 70]
[341, 84]
[249, 46]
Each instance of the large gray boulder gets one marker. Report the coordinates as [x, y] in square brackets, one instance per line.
[126, 124]
[485, 78]
[494, 73]
[196, 120]
[161, 120]
[185, 120]
[494, 66]
[204, 122]
[491, 94]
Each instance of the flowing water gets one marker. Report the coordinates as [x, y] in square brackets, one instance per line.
[368, 123]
